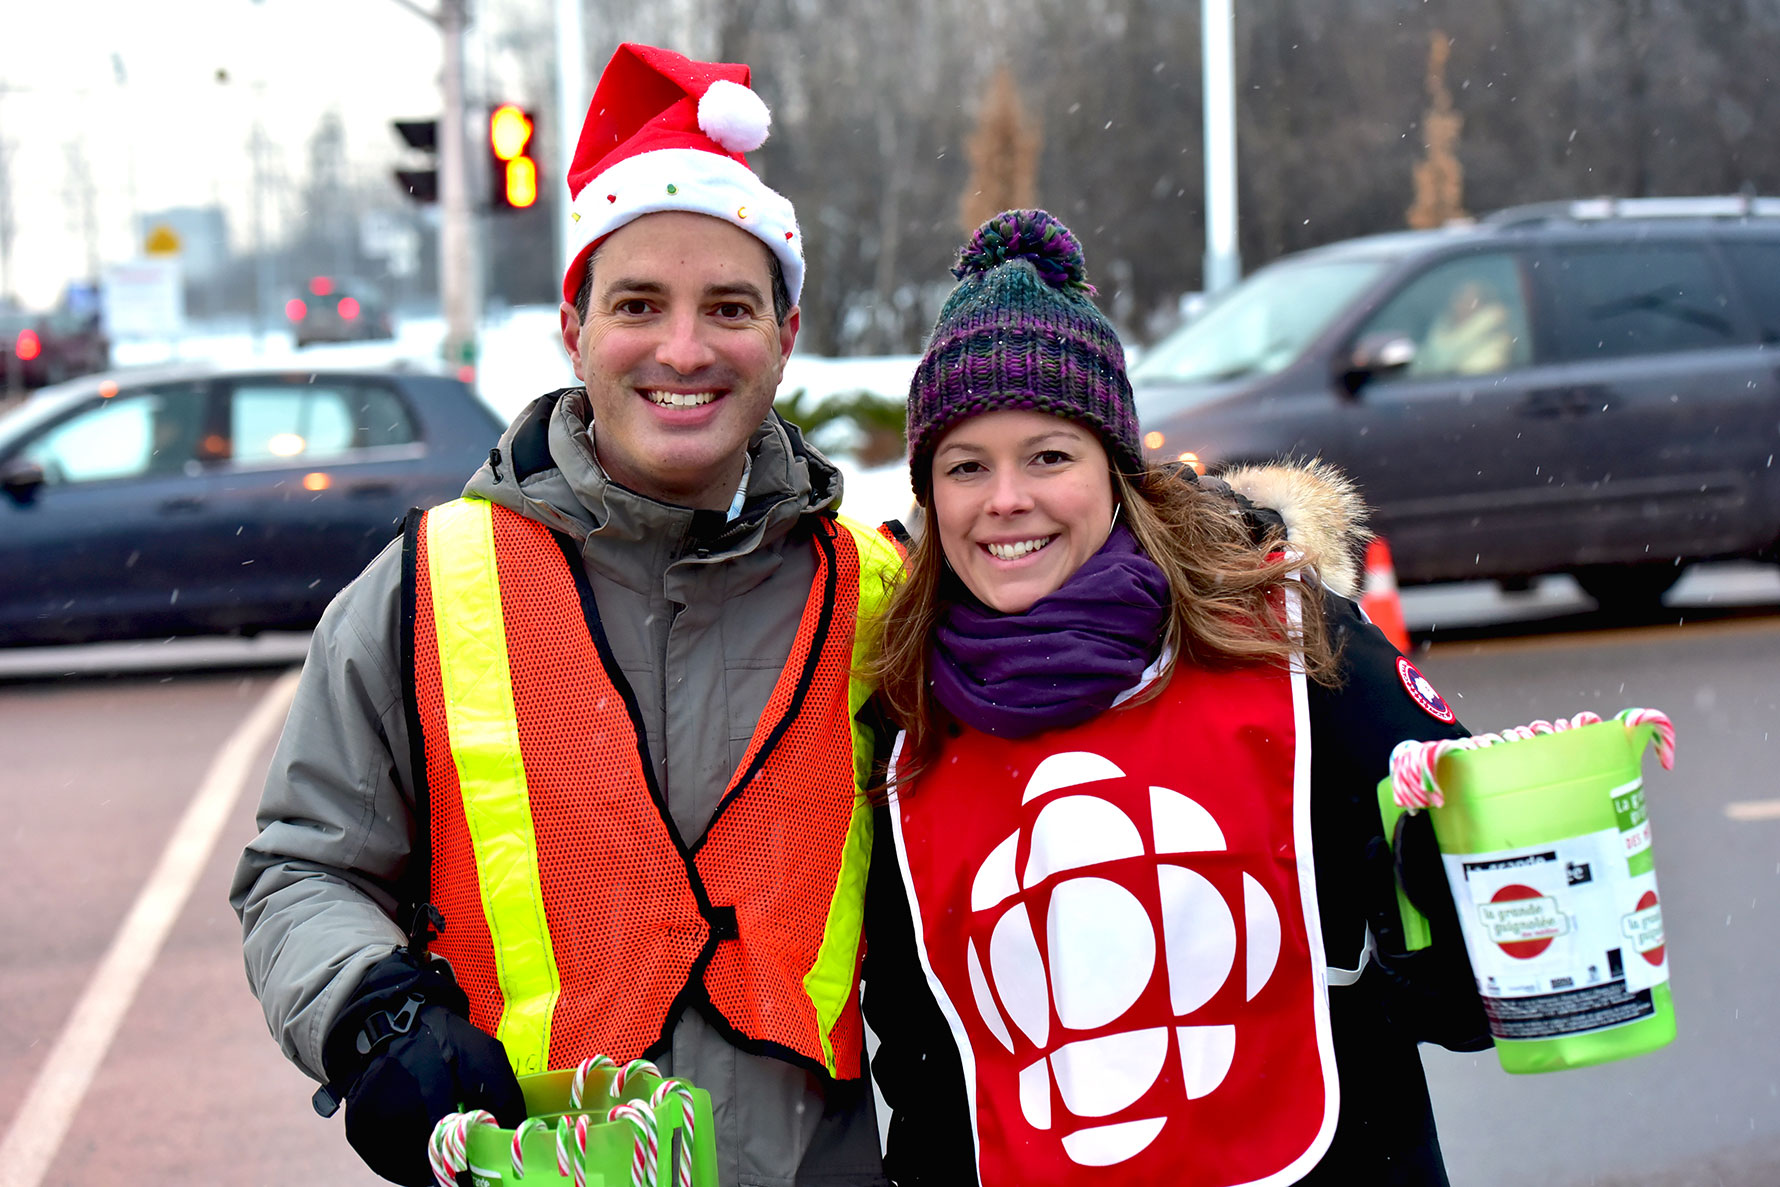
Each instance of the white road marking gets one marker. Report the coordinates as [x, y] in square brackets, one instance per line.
[1753, 810]
[61, 1084]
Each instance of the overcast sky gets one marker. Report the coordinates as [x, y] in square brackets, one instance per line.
[133, 84]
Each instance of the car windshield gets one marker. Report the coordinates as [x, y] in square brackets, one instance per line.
[1261, 326]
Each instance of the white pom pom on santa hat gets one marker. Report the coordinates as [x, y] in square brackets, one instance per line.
[734, 116]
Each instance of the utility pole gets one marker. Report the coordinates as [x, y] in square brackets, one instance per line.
[571, 108]
[1223, 260]
[457, 259]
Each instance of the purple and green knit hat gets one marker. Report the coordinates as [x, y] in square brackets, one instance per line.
[1020, 331]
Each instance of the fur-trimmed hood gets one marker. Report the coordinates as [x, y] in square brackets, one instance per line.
[1324, 515]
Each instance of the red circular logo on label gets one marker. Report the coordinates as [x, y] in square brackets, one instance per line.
[1645, 902]
[1520, 949]
[1423, 693]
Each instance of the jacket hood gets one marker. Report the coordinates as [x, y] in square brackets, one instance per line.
[1324, 514]
[546, 468]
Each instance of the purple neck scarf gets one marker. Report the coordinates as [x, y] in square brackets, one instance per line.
[1062, 661]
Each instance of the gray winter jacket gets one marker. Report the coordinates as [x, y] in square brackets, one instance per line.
[700, 614]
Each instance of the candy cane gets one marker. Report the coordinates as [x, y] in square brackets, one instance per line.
[1665, 731]
[644, 1164]
[448, 1149]
[574, 1129]
[679, 1090]
[634, 1067]
[530, 1125]
[1413, 763]
[578, 1085]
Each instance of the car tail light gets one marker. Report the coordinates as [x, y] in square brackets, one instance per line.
[321, 286]
[28, 346]
[348, 308]
[295, 309]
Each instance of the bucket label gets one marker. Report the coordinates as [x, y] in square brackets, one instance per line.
[1565, 937]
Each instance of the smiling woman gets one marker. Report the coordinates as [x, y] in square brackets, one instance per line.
[1109, 676]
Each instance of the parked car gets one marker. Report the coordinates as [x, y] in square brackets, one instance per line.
[37, 349]
[336, 310]
[194, 501]
[1588, 387]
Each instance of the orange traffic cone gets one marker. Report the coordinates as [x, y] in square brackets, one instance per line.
[1378, 597]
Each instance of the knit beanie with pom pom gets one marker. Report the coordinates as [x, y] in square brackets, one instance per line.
[1020, 332]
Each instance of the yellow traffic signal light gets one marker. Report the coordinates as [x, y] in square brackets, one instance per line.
[522, 182]
[513, 173]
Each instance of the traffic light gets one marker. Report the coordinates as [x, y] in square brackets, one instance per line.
[513, 175]
[421, 185]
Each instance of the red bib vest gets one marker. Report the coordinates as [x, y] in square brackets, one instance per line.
[577, 920]
[1119, 921]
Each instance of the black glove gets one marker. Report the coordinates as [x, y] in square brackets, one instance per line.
[1430, 994]
[408, 1052]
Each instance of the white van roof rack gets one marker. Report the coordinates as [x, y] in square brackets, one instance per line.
[1604, 209]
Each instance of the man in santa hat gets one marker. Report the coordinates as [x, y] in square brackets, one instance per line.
[573, 770]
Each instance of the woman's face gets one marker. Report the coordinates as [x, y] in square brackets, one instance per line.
[1020, 500]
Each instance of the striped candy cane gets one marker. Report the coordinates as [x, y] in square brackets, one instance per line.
[572, 1131]
[644, 1157]
[1665, 732]
[448, 1149]
[1413, 763]
[634, 1067]
[578, 1085]
[680, 1091]
[529, 1126]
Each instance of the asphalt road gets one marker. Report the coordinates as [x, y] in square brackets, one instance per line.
[131, 1051]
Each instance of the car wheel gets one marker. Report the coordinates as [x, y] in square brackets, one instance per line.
[1628, 589]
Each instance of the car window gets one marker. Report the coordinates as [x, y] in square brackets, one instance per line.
[127, 436]
[1466, 317]
[1262, 325]
[1636, 299]
[1757, 266]
[272, 421]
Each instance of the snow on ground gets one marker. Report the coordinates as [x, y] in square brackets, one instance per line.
[522, 357]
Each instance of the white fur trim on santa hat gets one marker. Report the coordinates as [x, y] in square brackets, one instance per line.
[734, 116]
[693, 180]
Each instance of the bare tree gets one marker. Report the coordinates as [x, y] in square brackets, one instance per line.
[1439, 178]
[80, 198]
[8, 228]
[1003, 155]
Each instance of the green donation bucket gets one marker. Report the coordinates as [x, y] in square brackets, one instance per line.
[1546, 844]
[596, 1126]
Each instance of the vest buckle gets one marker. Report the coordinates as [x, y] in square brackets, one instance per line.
[723, 924]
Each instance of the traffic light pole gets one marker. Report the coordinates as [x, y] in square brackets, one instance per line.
[457, 260]
[458, 296]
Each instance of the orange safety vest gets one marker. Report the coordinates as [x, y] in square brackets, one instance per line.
[578, 920]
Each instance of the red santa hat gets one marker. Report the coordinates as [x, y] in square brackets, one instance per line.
[667, 133]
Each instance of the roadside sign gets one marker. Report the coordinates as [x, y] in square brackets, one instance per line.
[162, 240]
[144, 298]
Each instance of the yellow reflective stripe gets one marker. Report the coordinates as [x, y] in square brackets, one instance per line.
[880, 568]
[484, 729]
[829, 983]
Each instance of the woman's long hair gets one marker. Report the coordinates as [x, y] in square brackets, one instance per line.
[1225, 611]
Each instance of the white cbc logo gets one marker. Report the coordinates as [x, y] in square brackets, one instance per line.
[1103, 953]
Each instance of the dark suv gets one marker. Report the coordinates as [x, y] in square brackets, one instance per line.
[1588, 387]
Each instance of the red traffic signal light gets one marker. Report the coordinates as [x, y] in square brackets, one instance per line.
[512, 173]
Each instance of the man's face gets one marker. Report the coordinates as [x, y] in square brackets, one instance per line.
[681, 354]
